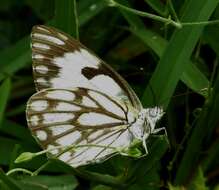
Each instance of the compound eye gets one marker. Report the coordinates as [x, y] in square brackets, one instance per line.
[155, 112]
[152, 113]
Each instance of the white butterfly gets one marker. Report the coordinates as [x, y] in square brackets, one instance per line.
[82, 101]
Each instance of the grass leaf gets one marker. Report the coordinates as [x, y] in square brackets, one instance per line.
[202, 132]
[66, 182]
[191, 76]
[66, 17]
[199, 182]
[8, 181]
[4, 95]
[177, 53]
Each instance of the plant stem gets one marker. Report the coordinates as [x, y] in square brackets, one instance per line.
[145, 14]
[212, 76]
[40, 168]
[8, 181]
[167, 21]
[201, 23]
[19, 170]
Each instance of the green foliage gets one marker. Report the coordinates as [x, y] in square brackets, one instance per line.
[67, 10]
[179, 48]
[5, 91]
[199, 181]
[169, 57]
[48, 182]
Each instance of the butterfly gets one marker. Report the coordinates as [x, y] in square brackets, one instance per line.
[82, 101]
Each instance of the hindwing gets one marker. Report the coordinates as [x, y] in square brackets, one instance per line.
[80, 116]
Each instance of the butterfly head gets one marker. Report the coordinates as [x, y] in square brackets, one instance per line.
[152, 116]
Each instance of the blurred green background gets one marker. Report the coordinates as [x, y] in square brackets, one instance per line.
[165, 65]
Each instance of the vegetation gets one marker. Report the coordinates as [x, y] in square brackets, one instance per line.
[167, 51]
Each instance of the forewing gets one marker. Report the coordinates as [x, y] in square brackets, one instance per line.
[59, 61]
[80, 117]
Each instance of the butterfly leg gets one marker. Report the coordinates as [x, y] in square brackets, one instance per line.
[144, 143]
[155, 131]
[161, 129]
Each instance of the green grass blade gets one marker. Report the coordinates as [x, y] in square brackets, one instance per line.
[212, 158]
[171, 187]
[66, 182]
[89, 9]
[158, 6]
[156, 151]
[195, 79]
[177, 53]
[15, 57]
[5, 89]
[8, 181]
[191, 76]
[203, 129]
[210, 36]
[14, 155]
[199, 181]
[16, 131]
[66, 16]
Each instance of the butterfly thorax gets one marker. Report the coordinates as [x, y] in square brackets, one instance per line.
[145, 122]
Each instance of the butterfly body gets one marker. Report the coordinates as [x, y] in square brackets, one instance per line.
[82, 103]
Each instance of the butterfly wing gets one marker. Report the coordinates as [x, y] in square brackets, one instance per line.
[59, 61]
[80, 117]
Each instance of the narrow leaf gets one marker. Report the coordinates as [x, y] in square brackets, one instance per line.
[4, 95]
[66, 17]
[191, 76]
[177, 53]
[8, 181]
[199, 181]
[202, 131]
